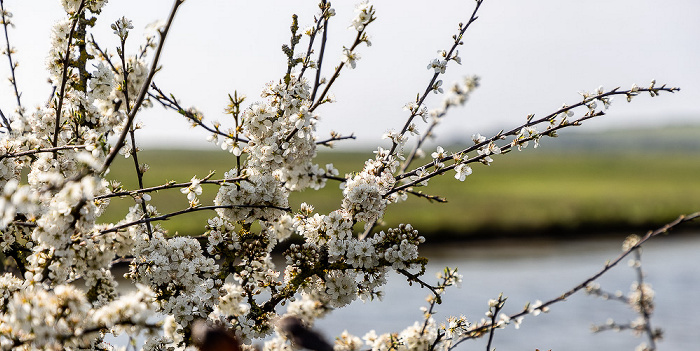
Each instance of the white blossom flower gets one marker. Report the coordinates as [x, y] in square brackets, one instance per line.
[439, 154]
[194, 189]
[364, 13]
[536, 308]
[102, 82]
[436, 87]
[462, 171]
[438, 66]
[350, 57]
[121, 27]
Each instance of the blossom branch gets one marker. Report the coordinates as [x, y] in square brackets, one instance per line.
[144, 89]
[360, 38]
[64, 78]
[103, 54]
[428, 314]
[495, 307]
[335, 137]
[608, 265]
[13, 65]
[416, 278]
[431, 84]
[618, 327]
[644, 308]
[481, 157]
[38, 151]
[587, 101]
[414, 152]
[458, 97]
[430, 198]
[169, 185]
[324, 38]
[171, 103]
[187, 210]
[312, 37]
[121, 27]
[591, 290]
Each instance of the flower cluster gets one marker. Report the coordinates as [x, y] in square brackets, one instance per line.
[365, 194]
[364, 14]
[259, 197]
[59, 289]
[182, 279]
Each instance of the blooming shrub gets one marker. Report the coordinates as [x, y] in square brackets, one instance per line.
[54, 159]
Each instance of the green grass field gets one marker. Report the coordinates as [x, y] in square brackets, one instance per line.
[522, 193]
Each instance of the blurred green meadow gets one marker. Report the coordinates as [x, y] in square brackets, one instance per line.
[572, 190]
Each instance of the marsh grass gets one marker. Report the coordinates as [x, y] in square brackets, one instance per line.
[538, 192]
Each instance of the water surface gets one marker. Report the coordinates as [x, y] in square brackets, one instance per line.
[528, 271]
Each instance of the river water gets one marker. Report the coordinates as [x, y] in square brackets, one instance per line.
[530, 271]
[526, 271]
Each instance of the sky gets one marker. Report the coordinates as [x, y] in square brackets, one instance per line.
[532, 56]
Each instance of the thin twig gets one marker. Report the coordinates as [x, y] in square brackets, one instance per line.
[329, 142]
[103, 53]
[419, 102]
[431, 198]
[479, 158]
[428, 132]
[319, 64]
[171, 103]
[336, 74]
[5, 121]
[312, 38]
[492, 331]
[642, 305]
[415, 278]
[121, 51]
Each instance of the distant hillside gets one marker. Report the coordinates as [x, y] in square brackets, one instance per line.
[678, 138]
[656, 139]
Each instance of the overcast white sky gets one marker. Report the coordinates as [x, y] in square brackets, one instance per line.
[532, 56]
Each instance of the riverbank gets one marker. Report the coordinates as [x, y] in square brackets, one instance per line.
[551, 191]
